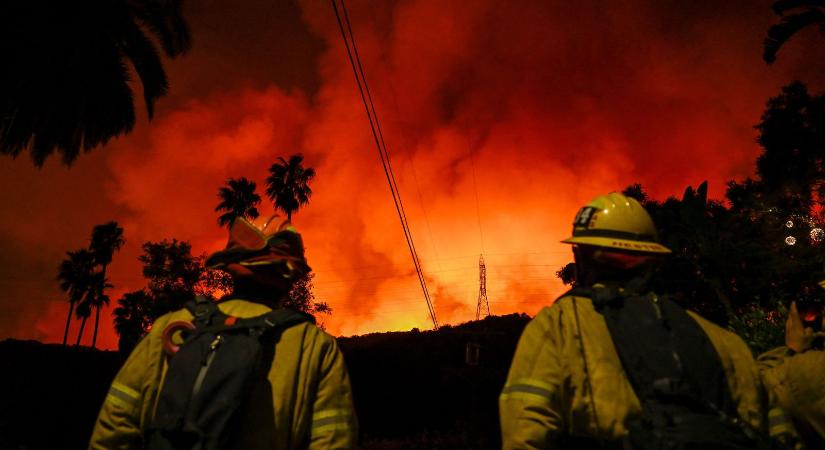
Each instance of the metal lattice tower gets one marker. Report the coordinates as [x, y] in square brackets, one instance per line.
[483, 306]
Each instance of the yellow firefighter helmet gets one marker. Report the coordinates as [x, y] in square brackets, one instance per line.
[618, 222]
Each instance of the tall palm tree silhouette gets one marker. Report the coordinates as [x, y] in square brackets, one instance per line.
[107, 238]
[288, 184]
[75, 276]
[66, 83]
[83, 312]
[94, 299]
[804, 13]
[238, 199]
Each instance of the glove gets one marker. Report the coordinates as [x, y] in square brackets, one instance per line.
[798, 337]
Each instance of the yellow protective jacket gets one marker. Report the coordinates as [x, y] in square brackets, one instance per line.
[566, 378]
[310, 391]
[797, 380]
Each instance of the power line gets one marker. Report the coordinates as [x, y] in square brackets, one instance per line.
[366, 98]
[478, 208]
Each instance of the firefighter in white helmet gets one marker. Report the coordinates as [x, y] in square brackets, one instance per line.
[613, 365]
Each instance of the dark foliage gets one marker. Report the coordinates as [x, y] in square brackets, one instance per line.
[567, 274]
[75, 277]
[83, 276]
[132, 318]
[288, 184]
[173, 277]
[107, 238]
[65, 85]
[172, 273]
[238, 199]
[803, 13]
[302, 297]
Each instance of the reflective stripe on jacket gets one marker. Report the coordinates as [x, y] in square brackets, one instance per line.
[310, 391]
[566, 378]
[798, 384]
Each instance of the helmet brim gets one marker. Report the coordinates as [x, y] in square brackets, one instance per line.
[619, 244]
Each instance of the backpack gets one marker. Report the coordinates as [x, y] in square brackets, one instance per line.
[675, 372]
[211, 374]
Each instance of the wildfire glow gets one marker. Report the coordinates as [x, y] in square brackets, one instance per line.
[532, 109]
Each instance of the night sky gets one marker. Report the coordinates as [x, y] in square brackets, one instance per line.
[501, 118]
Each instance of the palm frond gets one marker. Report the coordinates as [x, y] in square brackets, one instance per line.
[780, 33]
[165, 19]
[780, 7]
[146, 60]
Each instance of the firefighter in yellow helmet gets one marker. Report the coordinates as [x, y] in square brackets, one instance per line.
[307, 400]
[584, 364]
[794, 373]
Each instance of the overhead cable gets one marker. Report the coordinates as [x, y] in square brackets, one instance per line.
[378, 137]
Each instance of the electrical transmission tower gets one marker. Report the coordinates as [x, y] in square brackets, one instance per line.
[483, 306]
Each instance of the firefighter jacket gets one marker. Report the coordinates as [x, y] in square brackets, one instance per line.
[311, 405]
[796, 380]
[566, 379]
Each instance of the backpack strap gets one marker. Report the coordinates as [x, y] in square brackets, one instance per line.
[277, 319]
[210, 319]
[205, 312]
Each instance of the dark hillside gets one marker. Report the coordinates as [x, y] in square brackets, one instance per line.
[415, 389]
[51, 394]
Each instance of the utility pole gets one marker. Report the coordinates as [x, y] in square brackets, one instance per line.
[483, 306]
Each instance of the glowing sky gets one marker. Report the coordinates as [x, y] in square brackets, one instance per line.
[530, 107]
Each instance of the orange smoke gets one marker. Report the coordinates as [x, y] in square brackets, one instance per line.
[501, 120]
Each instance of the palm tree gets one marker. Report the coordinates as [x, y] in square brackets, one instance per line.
[238, 199]
[107, 238]
[83, 311]
[288, 184]
[94, 299]
[807, 12]
[75, 275]
[132, 318]
[69, 88]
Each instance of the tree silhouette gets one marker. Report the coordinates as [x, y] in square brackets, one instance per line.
[302, 298]
[792, 167]
[172, 273]
[106, 240]
[288, 184]
[94, 299]
[174, 276]
[132, 318]
[83, 311]
[804, 13]
[69, 87]
[238, 199]
[75, 276]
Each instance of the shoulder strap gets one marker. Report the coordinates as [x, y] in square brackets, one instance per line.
[204, 311]
[277, 319]
[664, 352]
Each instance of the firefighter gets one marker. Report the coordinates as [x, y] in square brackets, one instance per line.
[583, 364]
[793, 374]
[310, 404]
